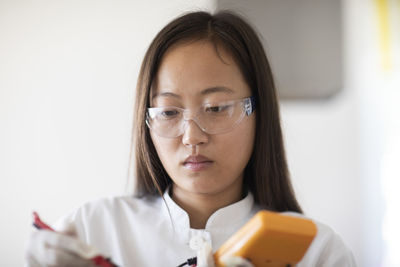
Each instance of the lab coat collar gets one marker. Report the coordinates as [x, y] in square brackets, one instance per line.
[233, 214]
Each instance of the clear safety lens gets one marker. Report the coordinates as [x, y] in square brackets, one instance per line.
[211, 118]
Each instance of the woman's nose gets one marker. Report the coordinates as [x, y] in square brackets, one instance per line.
[193, 134]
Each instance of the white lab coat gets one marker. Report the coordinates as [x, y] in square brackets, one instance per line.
[140, 232]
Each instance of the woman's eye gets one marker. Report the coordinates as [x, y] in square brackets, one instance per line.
[169, 113]
[217, 109]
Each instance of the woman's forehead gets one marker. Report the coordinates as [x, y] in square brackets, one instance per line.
[198, 68]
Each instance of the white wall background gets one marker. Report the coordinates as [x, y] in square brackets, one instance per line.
[67, 75]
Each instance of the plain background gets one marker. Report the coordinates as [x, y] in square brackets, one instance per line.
[68, 71]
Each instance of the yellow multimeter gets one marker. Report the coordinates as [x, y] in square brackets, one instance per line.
[270, 239]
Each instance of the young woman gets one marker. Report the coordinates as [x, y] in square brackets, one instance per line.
[209, 155]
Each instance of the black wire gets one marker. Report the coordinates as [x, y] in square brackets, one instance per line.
[189, 262]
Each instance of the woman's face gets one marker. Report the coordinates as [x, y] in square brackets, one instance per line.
[185, 76]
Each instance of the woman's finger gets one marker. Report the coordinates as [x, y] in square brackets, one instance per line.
[67, 243]
[61, 258]
[233, 261]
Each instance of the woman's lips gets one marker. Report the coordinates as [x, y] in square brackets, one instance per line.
[197, 163]
[197, 166]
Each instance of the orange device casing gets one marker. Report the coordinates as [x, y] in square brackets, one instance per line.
[270, 239]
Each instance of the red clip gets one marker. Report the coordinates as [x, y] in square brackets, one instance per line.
[39, 224]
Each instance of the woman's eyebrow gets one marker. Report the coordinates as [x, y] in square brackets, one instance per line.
[166, 94]
[217, 89]
[207, 91]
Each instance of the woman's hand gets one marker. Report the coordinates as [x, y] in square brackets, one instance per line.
[47, 248]
[236, 262]
[205, 258]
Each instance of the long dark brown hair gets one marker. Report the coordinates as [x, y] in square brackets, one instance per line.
[266, 174]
